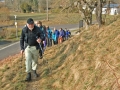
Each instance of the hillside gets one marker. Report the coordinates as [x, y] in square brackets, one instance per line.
[89, 61]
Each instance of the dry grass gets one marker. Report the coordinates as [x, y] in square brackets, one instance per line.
[89, 61]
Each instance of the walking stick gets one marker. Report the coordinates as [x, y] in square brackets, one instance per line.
[41, 48]
[21, 67]
[21, 60]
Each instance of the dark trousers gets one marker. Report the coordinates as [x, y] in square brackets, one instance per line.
[49, 42]
[66, 38]
[55, 41]
[41, 51]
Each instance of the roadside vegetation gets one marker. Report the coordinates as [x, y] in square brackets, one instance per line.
[88, 61]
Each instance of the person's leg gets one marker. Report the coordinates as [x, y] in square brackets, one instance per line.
[54, 42]
[44, 42]
[35, 54]
[47, 39]
[50, 42]
[61, 39]
[57, 40]
[66, 37]
[28, 63]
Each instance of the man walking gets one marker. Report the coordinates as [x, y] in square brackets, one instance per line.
[39, 24]
[30, 39]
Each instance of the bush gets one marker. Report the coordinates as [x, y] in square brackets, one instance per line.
[56, 10]
[8, 33]
[25, 7]
[4, 14]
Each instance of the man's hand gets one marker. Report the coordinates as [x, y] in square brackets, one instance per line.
[39, 40]
[22, 51]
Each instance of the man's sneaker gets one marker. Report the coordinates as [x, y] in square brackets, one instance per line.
[35, 73]
[28, 78]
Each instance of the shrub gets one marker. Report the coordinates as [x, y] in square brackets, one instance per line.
[4, 14]
[8, 33]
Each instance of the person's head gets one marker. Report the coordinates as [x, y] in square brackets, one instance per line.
[54, 29]
[44, 27]
[30, 23]
[65, 29]
[38, 23]
[47, 27]
[60, 29]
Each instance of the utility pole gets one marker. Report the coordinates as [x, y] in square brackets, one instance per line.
[47, 10]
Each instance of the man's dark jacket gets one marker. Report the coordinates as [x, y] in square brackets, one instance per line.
[29, 37]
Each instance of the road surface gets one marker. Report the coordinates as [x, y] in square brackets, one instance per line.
[14, 48]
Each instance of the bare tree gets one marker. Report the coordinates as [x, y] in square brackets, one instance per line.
[99, 12]
[13, 4]
[85, 8]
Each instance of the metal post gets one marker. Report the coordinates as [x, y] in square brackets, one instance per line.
[15, 17]
[47, 10]
[16, 26]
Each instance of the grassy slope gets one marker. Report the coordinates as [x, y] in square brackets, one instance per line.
[89, 61]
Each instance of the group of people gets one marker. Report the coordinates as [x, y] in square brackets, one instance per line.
[53, 36]
[33, 41]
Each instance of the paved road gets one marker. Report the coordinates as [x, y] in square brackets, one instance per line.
[14, 48]
[9, 50]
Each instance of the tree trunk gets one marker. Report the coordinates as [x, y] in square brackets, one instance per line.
[99, 13]
[86, 25]
[85, 20]
[91, 18]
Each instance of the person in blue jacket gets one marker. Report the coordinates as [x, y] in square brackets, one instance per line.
[66, 34]
[56, 32]
[45, 41]
[69, 33]
[39, 24]
[43, 28]
[61, 35]
[49, 36]
[54, 37]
